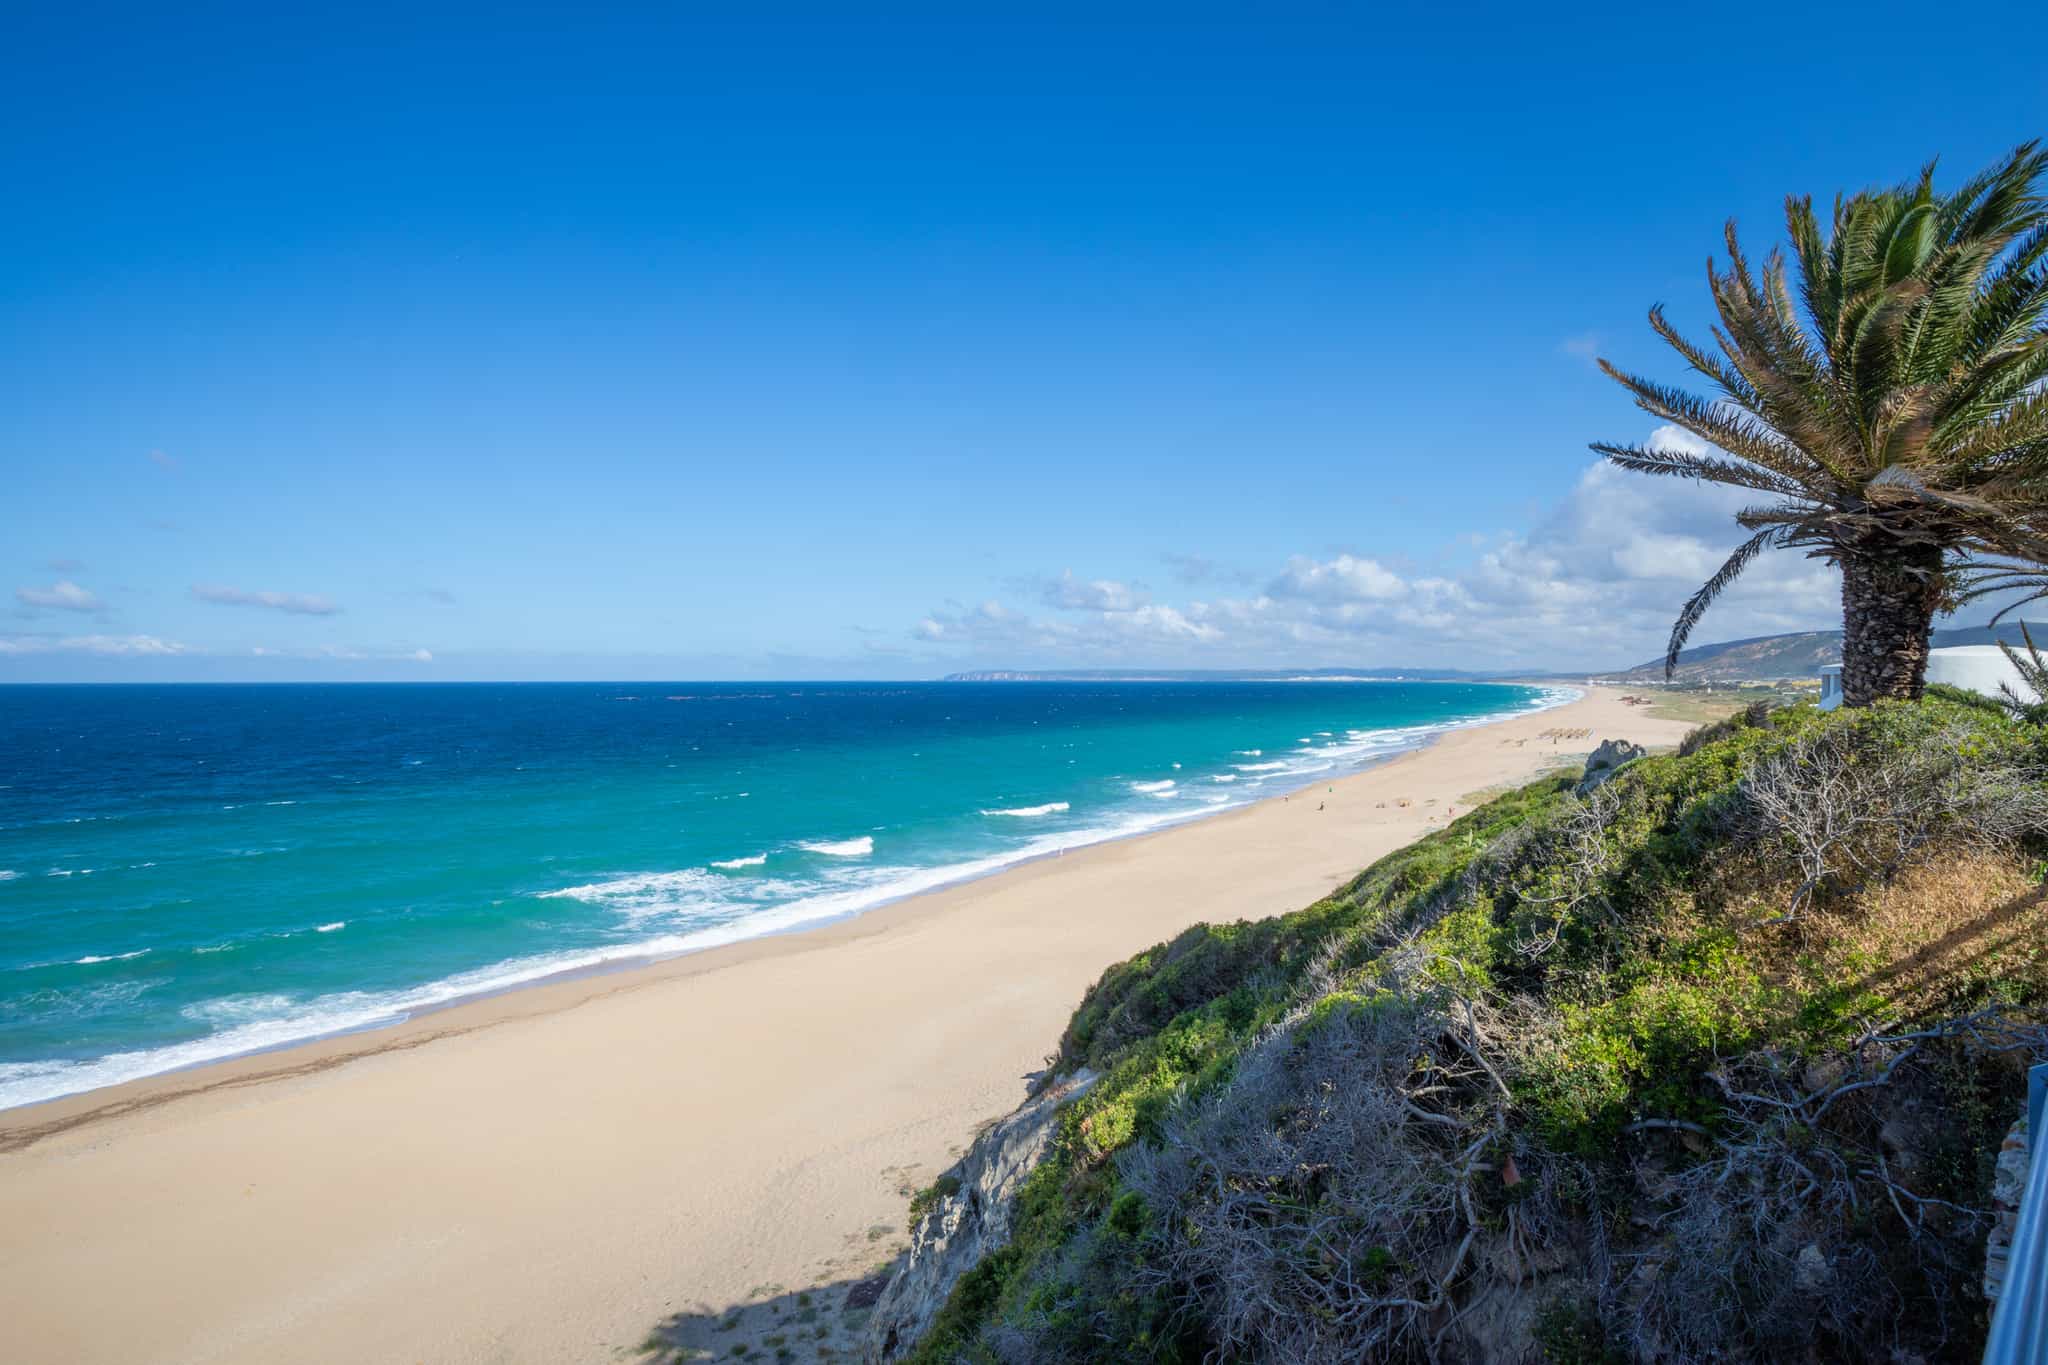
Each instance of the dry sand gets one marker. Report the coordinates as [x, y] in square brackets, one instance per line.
[550, 1174]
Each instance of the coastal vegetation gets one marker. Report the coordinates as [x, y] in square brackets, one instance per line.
[1710, 1061]
[1882, 394]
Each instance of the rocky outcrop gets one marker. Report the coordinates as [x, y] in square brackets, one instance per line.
[2008, 1191]
[1607, 760]
[968, 1217]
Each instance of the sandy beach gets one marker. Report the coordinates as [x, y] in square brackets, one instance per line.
[550, 1174]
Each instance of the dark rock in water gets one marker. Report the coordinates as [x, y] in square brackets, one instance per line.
[1607, 760]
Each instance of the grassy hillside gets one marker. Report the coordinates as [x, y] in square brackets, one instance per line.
[1709, 1064]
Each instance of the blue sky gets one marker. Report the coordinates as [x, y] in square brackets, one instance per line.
[524, 343]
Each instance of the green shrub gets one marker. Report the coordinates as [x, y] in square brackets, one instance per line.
[1963, 696]
[945, 1187]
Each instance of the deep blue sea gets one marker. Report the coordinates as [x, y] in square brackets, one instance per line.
[193, 872]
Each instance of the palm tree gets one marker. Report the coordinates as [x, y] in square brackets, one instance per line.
[1887, 402]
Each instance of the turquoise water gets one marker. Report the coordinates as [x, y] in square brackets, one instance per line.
[189, 873]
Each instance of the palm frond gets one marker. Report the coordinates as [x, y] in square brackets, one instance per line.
[1686, 465]
[1730, 429]
[2033, 671]
[1983, 579]
[1801, 520]
[1696, 605]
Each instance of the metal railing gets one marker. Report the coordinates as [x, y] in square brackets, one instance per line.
[2019, 1328]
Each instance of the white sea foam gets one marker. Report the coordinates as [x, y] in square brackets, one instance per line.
[91, 958]
[730, 863]
[330, 928]
[8, 874]
[1249, 753]
[691, 896]
[842, 848]
[237, 1009]
[1224, 777]
[1258, 767]
[1049, 808]
[1153, 788]
[639, 887]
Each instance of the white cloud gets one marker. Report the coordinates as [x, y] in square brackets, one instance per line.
[1170, 624]
[1101, 594]
[1676, 440]
[1650, 555]
[1596, 583]
[994, 627]
[63, 595]
[1343, 579]
[300, 604]
[89, 644]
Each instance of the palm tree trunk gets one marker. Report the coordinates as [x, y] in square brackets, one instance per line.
[1889, 594]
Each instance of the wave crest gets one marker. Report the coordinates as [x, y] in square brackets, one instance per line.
[841, 848]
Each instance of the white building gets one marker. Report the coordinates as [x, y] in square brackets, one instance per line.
[1975, 668]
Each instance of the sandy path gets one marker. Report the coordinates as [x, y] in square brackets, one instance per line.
[546, 1175]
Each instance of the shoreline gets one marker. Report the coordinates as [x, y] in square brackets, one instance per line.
[571, 1163]
[638, 957]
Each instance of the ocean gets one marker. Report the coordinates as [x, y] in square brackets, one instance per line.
[195, 872]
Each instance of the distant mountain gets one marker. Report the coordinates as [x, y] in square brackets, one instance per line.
[1762, 658]
[1801, 655]
[1214, 675]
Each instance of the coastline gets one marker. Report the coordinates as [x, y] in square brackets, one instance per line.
[486, 981]
[545, 1172]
